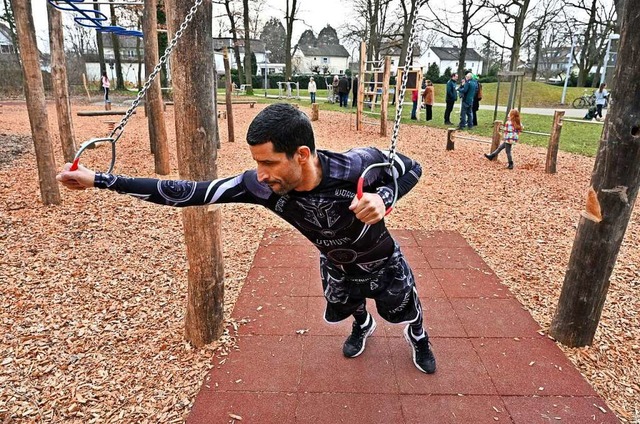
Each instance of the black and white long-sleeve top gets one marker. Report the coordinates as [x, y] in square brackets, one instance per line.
[322, 215]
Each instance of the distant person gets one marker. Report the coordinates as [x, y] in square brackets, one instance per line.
[334, 86]
[476, 101]
[354, 102]
[343, 91]
[451, 97]
[601, 99]
[467, 91]
[428, 98]
[512, 129]
[312, 90]
[289, 95]
[414, 99]
[106, 84]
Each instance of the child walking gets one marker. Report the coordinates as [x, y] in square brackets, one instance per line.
[510, 136]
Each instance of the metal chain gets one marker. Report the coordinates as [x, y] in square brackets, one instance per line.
[156, 70]
[403, 85]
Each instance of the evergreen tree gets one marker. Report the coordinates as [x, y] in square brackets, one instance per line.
[273, 36]
[433, 73]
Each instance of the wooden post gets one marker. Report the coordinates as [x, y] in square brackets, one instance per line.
[86, 88]
[496, 136]
[450, 133]
[192, 73]
[315, 112]
[158, 141]
[227, 97]
[385, 96]
[363, 54]
[36, 106]
[615, 179]
[554, 141]
[60, 85]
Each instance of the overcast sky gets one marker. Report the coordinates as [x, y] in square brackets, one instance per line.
[314, 13]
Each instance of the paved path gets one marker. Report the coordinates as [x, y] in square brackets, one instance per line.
[493, 366]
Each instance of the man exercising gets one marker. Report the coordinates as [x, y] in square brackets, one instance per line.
[315, 192]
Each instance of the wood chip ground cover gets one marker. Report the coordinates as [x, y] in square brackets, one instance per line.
[93, 290]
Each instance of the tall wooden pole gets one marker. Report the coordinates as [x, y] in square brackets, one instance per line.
[36, 106]
[192, 70]
[60, 84]
[385, 96]
[554, 143]
[615, 179]
[227, 97]
[363, 68]
[153, 101]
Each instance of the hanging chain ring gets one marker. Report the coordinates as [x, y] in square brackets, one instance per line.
[396, 124]
[92, 143]
[119, 129]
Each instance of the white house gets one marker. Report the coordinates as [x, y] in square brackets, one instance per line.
[448, 57]
[257, 48]
[393, 51]
[6, 45]
[323, 59]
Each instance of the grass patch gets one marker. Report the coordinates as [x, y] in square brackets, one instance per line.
[578, 138]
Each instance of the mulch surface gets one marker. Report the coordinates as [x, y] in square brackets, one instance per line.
[94, 290]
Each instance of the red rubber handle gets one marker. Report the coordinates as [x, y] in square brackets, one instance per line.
[360, 192]
[74, 165]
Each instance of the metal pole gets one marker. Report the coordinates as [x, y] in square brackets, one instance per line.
[606, 56]
[265, 74]
[568, 73]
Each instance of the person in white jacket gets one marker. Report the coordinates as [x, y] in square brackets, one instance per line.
[312, 90]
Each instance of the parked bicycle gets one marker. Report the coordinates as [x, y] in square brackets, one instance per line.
[585, 101]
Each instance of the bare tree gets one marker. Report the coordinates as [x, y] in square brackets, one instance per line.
[594, 33]
[247, 44]
[292, 9]
[473, 18]
[513, 11]
[545, 13]
[370, 25]
[234, 16]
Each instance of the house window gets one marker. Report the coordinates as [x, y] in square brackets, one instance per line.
[325, 60]
[6, 48]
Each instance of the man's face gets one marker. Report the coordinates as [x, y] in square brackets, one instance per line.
[276, 169]
[455, 77]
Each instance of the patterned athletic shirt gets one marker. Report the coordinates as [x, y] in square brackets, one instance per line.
[322, 215]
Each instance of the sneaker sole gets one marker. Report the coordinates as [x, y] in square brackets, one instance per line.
[364, 341]
[413, 351]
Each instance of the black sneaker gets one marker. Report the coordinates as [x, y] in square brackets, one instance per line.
[354, 345]
[423, 357]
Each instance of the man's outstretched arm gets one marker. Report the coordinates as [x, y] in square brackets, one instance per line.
[178, 193]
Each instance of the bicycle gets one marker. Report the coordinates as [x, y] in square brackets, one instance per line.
[584, 101]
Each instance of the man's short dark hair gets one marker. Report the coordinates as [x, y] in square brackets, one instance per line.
[284, 126]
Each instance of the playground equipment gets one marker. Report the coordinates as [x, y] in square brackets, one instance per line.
[285, 90]
[517, 82]
[332, 97]
[117, 132]
[554, 137]
[376, 88]
[88, 17]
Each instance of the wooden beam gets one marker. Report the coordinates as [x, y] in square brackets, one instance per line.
[60, 83]
[193, 76]
[158, 142]
[36, 106]
[615, 180]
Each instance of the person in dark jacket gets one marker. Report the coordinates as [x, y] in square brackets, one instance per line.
[343, 91]
[451, 97]
[467, 91]
[476, 100]
[354, 103]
